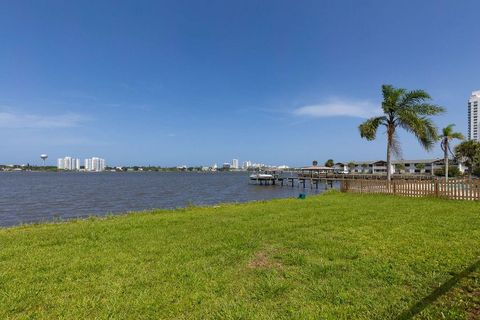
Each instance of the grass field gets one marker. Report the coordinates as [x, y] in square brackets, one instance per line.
[334, 256]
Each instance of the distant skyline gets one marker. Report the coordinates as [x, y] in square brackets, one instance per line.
[203, 82]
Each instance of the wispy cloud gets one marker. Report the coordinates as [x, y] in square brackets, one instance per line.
[340, 108]
[17, 120]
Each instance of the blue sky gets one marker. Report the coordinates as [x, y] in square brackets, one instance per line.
[198, 82]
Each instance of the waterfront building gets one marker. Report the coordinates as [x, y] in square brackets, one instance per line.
[95, 164]
[420, 166]
[88, 164]
[60, 164]
[235, 164]
[473, 116]
[247, 164]
[68, 163]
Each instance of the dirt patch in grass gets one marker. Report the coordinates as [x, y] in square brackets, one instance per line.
[474, 314]
[263, 259]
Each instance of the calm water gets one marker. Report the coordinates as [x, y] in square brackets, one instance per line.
[27, 197]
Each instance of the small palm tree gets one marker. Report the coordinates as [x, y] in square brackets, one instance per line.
[447, 135]
[405, 109]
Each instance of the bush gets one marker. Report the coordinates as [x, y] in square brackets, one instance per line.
[476, 171]
[453, 171]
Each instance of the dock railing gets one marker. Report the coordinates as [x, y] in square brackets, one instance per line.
[457, 189]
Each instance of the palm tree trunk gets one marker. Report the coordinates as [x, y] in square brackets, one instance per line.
[389, 160]
[446, 158]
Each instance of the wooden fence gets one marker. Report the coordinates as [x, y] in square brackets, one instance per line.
[457, 189]
[367, 176]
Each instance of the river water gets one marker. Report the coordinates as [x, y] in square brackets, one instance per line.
[27, 197]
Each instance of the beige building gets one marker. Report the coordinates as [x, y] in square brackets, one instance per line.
[422, 166]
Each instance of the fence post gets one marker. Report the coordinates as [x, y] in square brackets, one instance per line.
[394, 187]
[436, 188]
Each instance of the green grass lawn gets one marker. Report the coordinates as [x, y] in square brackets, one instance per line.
[334, 256]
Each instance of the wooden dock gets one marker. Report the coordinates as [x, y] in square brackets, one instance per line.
[303, 182]
[313, 181]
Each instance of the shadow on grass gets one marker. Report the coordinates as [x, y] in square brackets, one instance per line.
[444, 288]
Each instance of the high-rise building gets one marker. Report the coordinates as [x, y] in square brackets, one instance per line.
[95, 164]
[473, 116]
[60, 164]
[68, 163]
[235, 164]
[88, 164]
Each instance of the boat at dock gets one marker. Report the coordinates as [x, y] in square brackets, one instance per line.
[261, 176]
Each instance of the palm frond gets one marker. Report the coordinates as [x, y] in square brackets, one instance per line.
[414, 97]
[449, 134]
[422, 127]
[428, 135]
[368, 129]
[391, 97]
[447, 131]
[457, 135]
[426, 109]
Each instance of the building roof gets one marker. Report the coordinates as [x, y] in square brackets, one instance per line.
[417, 161]
[317, 168]
[393, 161]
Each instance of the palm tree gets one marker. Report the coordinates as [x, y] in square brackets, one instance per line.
[447, 135]
[405, 109]
[329, 163]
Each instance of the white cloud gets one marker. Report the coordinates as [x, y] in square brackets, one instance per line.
[340, 108]
[15, 120]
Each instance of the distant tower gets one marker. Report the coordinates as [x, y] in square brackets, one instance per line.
[44, 157]
[473, 113]
[235, 163]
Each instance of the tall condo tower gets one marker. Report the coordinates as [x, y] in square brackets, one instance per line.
[473, 119]
[235, 163]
